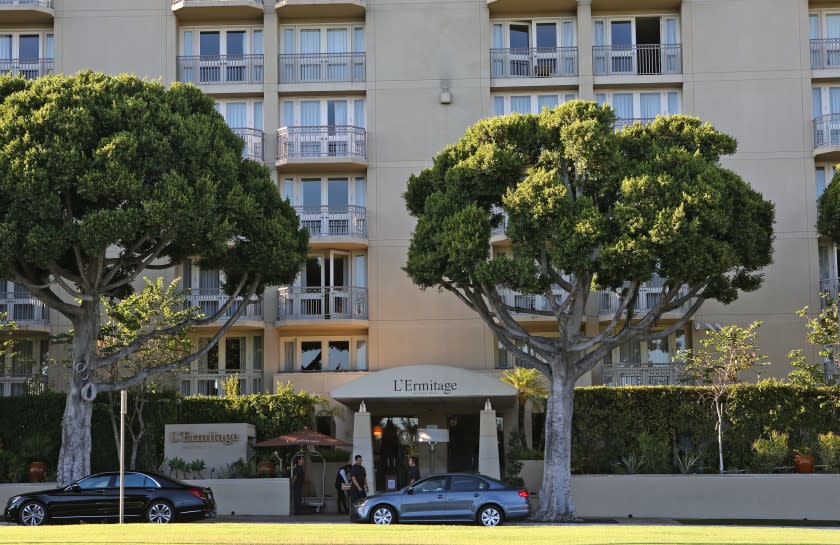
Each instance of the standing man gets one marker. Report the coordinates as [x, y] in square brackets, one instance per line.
[342, 485]
[358, 481]
[297, 486]
[413, 473]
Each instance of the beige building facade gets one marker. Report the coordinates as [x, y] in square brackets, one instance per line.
[345, 99]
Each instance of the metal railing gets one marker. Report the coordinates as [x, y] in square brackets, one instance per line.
[650, 294]
[211, 382]
[221, 69]
[22, 3]
[827, 130]
[621, 123]
[333, 221]
[321, 67]
[501, 229]
[535, 62]
[321, 141]
[829, 289]
[642, 374]
[322, 303]
[26, 68]
[254, 139]
[641, 59]
[525, 303]
[825, 53]
[25, 310]
[14, 385]
[209, 301]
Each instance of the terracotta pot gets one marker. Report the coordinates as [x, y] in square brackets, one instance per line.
[37, 472]
[804, 463]
[265, 469]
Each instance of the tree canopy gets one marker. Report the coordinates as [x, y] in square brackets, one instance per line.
[585, 208]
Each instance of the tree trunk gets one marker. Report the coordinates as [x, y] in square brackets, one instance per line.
[520, 405]
[74, 458]
[556, 492]
[719, 409]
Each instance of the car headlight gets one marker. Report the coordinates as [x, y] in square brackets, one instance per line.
[14, 499]
[361, 503]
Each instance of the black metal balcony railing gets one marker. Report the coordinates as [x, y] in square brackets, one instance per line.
[641, 59]
[24, 3]
[650, 293]
[642, 374]
[209, 301]
[26, 68]
[221, 69]
[825, 53]
[827, 130]
[25, 310]
[322, 303]
[254, 139]
[333, 221]
[321, 67]
[322, 141]
[536, 62]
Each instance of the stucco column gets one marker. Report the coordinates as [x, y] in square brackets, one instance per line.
[271, 105]
[584, 41]
[488, 444]
[363, 443]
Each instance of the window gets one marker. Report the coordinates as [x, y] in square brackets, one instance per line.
[434, 484]
[26, 53]
[824, 33]
[823, 176]
[651, 353]
[636, 45]
[221, 55]
[318, 112]
[643, 106]
[825, 105]
[528, 104]
[533, 48]
[326, 354]
[97, 481]
[322, 53]
[136, 480]
[460, 483]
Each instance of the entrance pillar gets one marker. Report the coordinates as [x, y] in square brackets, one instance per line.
[363, 443]
[488, 443]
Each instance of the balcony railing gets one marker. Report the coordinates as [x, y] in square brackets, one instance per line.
[525, 303]
[26, 68]
[23, 3]
[209, 301]
[333, 221]
[536, 62]
[322, 141]
[621, 123]
[321, 67]
[254, 139]
[221, 69]
[211, 382]
[829, 289]
[322, 303]
[641, 59]
[642, 374]
[650, 294]
[825, 53]
[827, 130]
[25, 310]
[501, 229]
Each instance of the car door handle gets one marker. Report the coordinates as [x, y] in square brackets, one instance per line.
[440, 496]
[476, 495]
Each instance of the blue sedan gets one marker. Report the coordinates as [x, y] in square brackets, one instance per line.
[447, 497]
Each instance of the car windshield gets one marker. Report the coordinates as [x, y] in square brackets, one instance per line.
[94, 481]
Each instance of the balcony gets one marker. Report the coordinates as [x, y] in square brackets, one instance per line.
[218, 10]
[335, 224]
[649, 296]
[642, 374]
[827, 137]
[307, 9]
[322, 303]
[534, 63]
[526, 303]
[637, 60]
[209, 301]
[27, 312]
[310, 68]
[253, 143]
[828, 290]
[545, 8]
[232, 70]
[211, 382]
[26, 68]
[322, 148]
[27, 11]
[825, 54]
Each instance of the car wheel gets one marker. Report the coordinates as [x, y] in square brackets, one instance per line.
[160, 512]
[32, 513]
[382, 514]
[490, 515]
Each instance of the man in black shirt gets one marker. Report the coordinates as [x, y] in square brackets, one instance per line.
[297, 486]
[358, 481]
[413, 473]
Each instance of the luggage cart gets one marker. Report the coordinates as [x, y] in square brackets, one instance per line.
[318, 480]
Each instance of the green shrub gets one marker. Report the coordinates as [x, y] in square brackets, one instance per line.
[656, 452]
[828, 450]
[770, 452]
[11, 467]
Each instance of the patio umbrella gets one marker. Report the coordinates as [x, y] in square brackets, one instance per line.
[303, 437]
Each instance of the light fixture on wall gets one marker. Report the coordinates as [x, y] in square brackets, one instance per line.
[377, 431]
[445, 95]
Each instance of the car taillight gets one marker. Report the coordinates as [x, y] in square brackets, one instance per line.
[523, 493]
[198, 493]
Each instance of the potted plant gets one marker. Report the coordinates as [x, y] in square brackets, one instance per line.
[36, 448]
[803, 460]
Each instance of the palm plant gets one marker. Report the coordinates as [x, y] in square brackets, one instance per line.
[530, 385]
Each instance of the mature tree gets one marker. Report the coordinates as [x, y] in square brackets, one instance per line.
[720, 364]
[530, 386]
[588, 208]
[104, 177]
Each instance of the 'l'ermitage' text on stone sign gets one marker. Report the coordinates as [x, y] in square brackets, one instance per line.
[218, 445]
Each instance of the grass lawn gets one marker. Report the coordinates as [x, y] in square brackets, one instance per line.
[312, 534]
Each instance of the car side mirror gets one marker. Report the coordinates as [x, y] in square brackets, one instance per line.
[75, 488]
[409, 490]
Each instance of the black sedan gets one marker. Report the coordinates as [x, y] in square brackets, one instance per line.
[148, 496]
[447, 497]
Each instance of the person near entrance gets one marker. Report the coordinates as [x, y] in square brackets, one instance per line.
[297, 486]
[358, 481]
[413, 473]
[342, 486]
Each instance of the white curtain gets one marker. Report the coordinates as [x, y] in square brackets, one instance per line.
[623, 105]
[359, 113]
[258, 115]
[336, 112]
[360, 271]
[289, 41]
[208, 279]
[598, 33]
[360, 197]
[337, 40]
[568, 97]
[649, 105]
[671, 31]
[600, 98]
[359, 39]
[820, 174]
[188, 43]
[337, 66]
[310, 40]
[498, 36]
[236, 115]
[832, 26]
[49, 49]
[814, 27]
[816, 102]
[834, 100]
[288, 191]
[257, 46]
[568, 34]
[673, 103]
[546, 101]
[361, 355]
[310, 113]
[288, 114]
[498, 105]
[520, 105]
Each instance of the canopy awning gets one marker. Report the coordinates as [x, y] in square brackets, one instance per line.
[303, 437]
